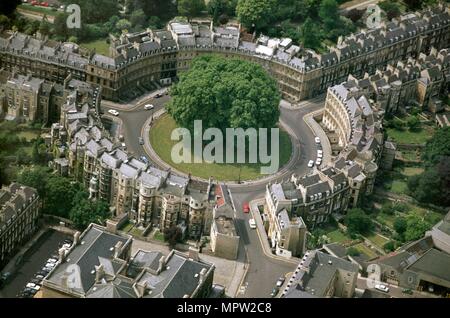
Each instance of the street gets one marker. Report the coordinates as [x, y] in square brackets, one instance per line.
[263, 270]
[33, 261]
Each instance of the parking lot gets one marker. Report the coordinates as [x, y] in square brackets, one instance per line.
[33, 261]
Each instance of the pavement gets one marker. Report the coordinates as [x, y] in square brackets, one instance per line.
[34, 255]
[394, 291]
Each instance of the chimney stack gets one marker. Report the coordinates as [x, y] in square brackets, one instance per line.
[118, 249]
[161, 264]
[140, 288]
[76, 238]
[62, 255]
[202, 276]
[193, 253]
[99, 273]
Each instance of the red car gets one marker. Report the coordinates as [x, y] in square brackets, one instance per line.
[246, 207]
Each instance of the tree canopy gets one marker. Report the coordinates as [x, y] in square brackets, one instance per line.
[225, 93]
[85, 211]
[357, 222]
[255, 13]
[438, 146]
[190, 8]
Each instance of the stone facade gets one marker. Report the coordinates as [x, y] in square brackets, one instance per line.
[148, 195]
[158, 55]
[224, 238]
[19, 212]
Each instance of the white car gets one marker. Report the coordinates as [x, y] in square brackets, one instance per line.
[50, 265]
[113, 112]
[317, 140]
[252, 223]
[382, 288]
[31, 285]
[52, 261]
[319, 155]
[318, 162]
[149, 106]
[311, 164]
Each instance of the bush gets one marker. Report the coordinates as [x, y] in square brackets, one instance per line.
[353, 252]
[389, 246]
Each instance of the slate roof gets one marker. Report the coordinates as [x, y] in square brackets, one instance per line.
[80, 263]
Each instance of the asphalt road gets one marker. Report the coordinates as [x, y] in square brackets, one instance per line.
[263, 271]
[33, 261]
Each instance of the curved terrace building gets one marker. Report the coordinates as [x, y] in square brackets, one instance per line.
[159, 55]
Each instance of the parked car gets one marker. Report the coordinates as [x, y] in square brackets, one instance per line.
[45, 270]
[158, 95]
[141, 140]
[320, 155]
[317, 140]
[52, 260]
[318, 161]
[252, 223]
[407, 291]
[311, 164]
[39, 277]
[36, 281]
[382, 288]
[280, 281]
[149, 106]
[144, 159]
[30, 285]
[113, 112]
[42, 273]
[246, 207]
[274, 292]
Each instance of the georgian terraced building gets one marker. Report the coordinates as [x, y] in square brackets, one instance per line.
[159, 55]
[19, 212]
[148, 196]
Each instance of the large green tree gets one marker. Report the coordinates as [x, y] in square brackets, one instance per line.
[256, 13]
[416, 227]
[35, 177]
[438, 146]
[329, 14]
[225, 93]
[85, 212]
[59, 192]
[357, 222]
[310, 34]
[190, 8]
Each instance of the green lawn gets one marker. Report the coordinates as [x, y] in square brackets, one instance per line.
[40, 10]
[162, 144]
[409, 137]
[337, 236]
[127, 227]
[158, 236]
[410, 155]
[100, 46]
[430, 216]
[399, 187]
[29, 135]
[363, 249]
[411, 171]
[377, 239]
[386, 219]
